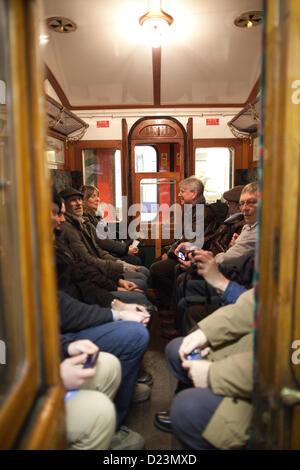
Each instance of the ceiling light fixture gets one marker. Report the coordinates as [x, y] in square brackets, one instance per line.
[249, 19]
[155, 22]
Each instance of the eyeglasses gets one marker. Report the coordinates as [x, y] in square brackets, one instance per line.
[249, 203]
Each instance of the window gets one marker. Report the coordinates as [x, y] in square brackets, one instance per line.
[145, 159]
[11, 323]
[214, 167]
[102, 168]
[157, 194]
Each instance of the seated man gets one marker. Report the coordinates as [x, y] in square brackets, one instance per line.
[163, 271]
[83, 241]
[220, 240]
[90, 413]
[119, 332]
[237, 262]
[215, 411]
[83, 281]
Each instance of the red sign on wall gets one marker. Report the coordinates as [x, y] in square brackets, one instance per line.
[213, 122]
[102, 123]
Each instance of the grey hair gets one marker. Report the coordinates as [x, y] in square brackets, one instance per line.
[192, 183]
[250, 188]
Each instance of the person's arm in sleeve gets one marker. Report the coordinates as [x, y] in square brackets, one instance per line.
[233, 376]
[76, 316]
[231, 322]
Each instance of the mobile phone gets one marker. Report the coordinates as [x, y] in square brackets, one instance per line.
[135, 243]
[91, 360]
[195, 354]
[180, 255]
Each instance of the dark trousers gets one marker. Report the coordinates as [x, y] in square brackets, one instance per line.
[163, 276]
[128, 342]
[192, 408]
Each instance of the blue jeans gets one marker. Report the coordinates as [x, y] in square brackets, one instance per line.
[128, 342]
[192, 408]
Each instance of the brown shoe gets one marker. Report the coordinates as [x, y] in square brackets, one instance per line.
[170, 333]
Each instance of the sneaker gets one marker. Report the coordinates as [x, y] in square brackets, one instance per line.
[126, 439]
[141, 393]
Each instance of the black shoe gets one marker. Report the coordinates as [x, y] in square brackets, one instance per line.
[162, 421]
[145, 378]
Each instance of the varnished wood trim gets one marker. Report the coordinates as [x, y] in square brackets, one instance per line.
[105, 144]
[17, 404]
[156, 69]
[48, 433]
[254, 92]
[161, 106]
[57, 88]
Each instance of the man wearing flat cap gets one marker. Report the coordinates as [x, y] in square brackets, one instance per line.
[219, 241]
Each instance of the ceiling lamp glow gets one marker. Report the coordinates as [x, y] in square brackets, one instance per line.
[155, 22]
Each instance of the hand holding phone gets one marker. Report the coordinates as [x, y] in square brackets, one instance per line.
[195, 354]
[91, 360]
[135, 243]
[181, 255]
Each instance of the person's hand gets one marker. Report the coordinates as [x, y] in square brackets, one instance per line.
[128, 285]
[207, 267]
[197, 339]
[197, 371]
[140, 316]
[73, 377]
[184, 264]
[133, 250]
[82, 346]
[234, 237]
[185, 247]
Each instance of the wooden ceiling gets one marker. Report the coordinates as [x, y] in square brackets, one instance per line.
[205, 61]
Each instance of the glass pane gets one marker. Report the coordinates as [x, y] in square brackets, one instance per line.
[213, 167]
[102, 168]
[145, 159]
[157, 195]
[11, 321]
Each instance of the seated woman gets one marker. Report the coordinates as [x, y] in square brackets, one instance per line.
[125, 251]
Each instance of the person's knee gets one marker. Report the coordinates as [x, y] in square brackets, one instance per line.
[136, 336]
[91, 422]
[172, 350]
[108, 374]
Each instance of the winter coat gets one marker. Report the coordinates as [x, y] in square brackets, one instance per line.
[210, 225]
[81, 237]
[114, 247]
[82, 281]
[75, 316]
[219, 241]
[230, 335]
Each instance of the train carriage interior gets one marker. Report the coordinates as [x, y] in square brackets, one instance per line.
[128, 99]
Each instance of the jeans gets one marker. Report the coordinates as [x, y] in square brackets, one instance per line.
[128, 342]
[192, 408]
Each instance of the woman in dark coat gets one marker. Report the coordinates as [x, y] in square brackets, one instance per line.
[123, 250]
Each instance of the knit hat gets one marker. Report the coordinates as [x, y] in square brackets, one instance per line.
[68, 192]
[233, 194]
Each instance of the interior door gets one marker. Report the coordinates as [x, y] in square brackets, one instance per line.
[276, 422]
[157, 164]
